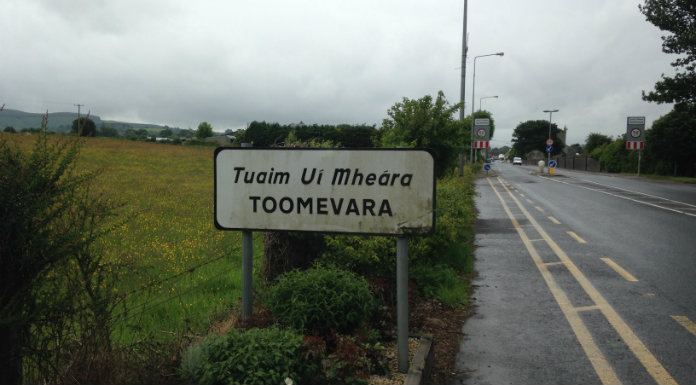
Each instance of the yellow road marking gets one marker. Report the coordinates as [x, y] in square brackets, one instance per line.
[625, 274]
[594, 354]
[604, 370]
[576, 237]
[529, 201]
[539, 209]
[586, 308]
[554, 220]
[686, 323]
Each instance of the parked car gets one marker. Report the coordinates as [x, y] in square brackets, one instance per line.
[516, 160]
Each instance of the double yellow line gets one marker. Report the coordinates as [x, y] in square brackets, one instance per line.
[572, 313]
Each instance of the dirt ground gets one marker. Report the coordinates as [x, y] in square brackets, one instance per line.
[445, 325]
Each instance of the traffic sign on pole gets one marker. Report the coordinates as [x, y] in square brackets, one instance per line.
[482, 128]
[552, 164]
[549, 142]
[549, 148]
[635, 127]
[635, 145]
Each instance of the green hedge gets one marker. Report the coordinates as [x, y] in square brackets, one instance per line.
[321, 299]
[446, 253]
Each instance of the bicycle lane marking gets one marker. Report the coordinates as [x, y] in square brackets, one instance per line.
[602, 367]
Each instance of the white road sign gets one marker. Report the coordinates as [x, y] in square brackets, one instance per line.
[375, 191]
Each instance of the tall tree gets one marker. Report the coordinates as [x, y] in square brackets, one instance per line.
[678, 17]
[671, 142]
[595, 140]
[84, 127]
[425, 122]
[205, 130]
[532, 134]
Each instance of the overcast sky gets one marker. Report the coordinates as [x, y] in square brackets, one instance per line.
[330, 61]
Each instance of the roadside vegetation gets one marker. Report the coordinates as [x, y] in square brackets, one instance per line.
[148, 290]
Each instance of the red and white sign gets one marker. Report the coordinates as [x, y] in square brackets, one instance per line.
[635, 145]
[549, 142]
[481, 144]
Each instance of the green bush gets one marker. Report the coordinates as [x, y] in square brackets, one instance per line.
[450, 247]
[370, 257]
[455, 216]
[321, 299]
[258, 356]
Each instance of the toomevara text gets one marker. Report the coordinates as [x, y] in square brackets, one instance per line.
[322, 205]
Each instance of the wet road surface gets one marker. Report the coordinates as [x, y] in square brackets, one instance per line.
[583, 279]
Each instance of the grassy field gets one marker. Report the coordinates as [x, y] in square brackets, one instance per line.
[181, 270]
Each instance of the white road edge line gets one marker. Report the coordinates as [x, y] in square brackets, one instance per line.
[630, 199]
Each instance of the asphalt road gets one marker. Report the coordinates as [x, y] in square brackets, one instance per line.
[583, 279]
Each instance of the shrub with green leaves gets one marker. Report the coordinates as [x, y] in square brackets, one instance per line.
[368, 256]
[321, 299]
[257, 356]
[434, 260]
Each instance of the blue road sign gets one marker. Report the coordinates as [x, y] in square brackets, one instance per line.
[487, 167]
[552, 164]
[549, 148]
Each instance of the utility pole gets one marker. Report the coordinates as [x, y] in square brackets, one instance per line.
[462, 87]
[78, 111]
[80, 125]
[464, 52]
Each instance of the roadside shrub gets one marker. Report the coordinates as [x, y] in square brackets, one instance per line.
[57, 297]
[257, 356]
[455, 216]
[370, 257]
[321, 299]
[614, 157]
[348, 359]
[450, 247]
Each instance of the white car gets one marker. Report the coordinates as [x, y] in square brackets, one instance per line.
[516, 160]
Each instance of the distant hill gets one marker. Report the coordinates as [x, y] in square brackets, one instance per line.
[62, 121]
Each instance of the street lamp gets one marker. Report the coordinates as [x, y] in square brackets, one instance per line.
[549, 152]
[486, 97]
[473, 100]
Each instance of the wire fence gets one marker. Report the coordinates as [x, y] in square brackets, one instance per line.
[149, 305]
[156, 301]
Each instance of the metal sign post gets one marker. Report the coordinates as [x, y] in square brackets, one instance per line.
[247, 268]
[402, 302]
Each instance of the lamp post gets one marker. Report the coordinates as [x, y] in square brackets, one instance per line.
[549, 152]
[486, 97]
[473, 99]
